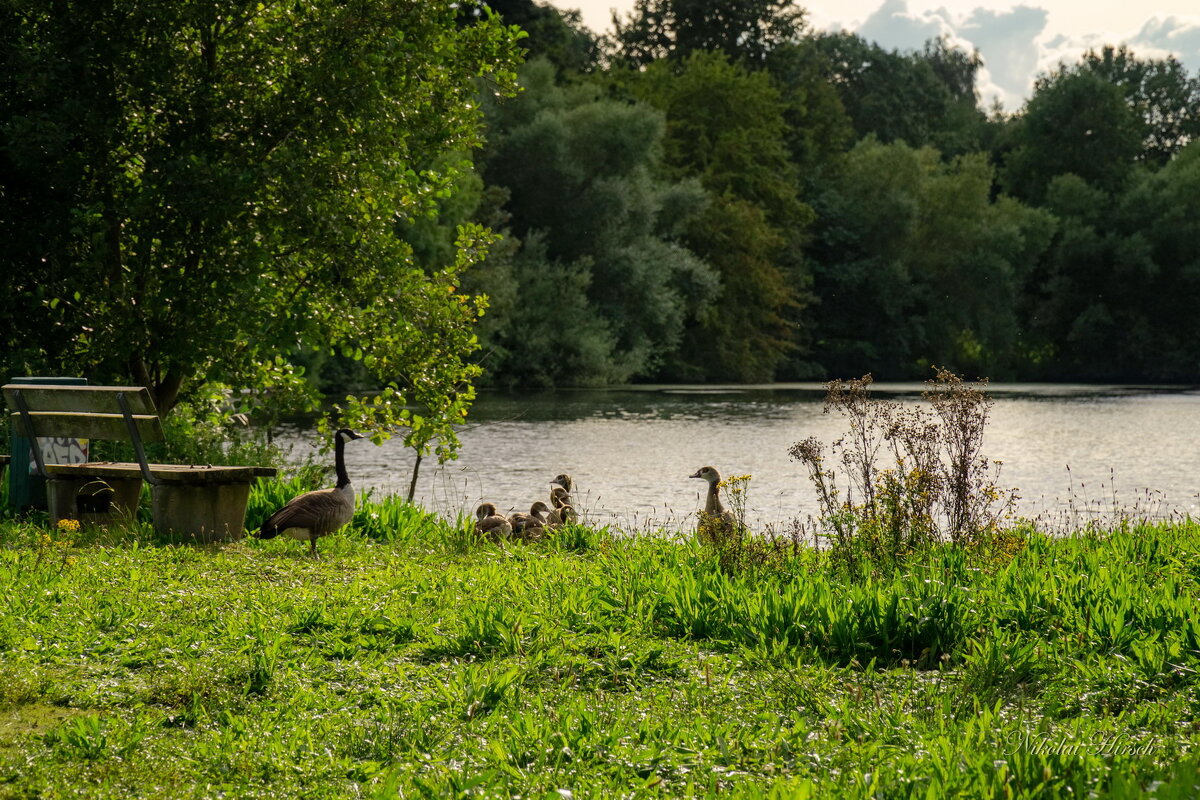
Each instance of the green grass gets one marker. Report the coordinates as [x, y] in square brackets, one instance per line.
[414, 661]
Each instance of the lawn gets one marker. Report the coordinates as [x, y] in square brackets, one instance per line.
[412, 660]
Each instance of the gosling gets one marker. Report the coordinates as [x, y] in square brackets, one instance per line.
[530, 527]
[490, 524]
[562, 515]
[559, 496]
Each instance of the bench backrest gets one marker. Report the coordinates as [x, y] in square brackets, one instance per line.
[84, 412]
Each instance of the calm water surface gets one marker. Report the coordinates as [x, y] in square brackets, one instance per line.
[1072, 451]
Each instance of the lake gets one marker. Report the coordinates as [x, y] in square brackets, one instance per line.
[1074, 452]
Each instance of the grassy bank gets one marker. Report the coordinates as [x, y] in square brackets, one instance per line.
[413, 661]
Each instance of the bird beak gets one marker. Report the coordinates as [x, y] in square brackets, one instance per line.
[697, 475]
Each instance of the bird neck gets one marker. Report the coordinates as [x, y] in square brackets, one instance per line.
[339, 448]
[713, 506]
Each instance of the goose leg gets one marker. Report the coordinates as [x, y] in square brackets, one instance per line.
[312, 547]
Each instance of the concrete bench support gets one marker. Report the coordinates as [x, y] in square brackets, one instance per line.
[204, 512]
[98, 501]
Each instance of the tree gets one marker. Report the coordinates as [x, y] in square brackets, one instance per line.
[725, 127]
[1160, 266]
[193, 190]
[556, 35]
[741, 29]
[1103, 145]
[923, 98]
[1115, 299]
[1077, 123]
[1160, 94]
[916, 264]
[603, 282]
[818, 129]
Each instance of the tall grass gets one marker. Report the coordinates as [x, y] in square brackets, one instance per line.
[416, 660]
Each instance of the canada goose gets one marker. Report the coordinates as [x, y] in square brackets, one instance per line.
[715, 521]
[530, 526]
[318, 513]
[491, 524]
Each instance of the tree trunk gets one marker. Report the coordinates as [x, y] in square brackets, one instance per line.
[412, 486]
[165, 392]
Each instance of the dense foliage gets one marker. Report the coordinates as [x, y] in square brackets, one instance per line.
[194, 193]
[859, 211]
[313, 197]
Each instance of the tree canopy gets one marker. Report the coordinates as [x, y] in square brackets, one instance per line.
[603, 281]
[861, 211]
[725, 126]
[917, 258]
[297, 197]
[740, 29]
[923, 98]
[192, 191]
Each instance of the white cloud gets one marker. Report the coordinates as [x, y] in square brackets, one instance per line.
[1158, 38]
[1007, 41]
[1016, 46]
[998, 36]
[1178, 35]
[894, 27]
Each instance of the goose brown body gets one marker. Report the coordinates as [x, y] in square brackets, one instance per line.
[532, 525]
[318, 513]
[491, 524]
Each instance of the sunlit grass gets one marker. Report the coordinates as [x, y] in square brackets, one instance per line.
[413, 660]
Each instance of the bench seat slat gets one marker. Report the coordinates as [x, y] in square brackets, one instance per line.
[99, 399]
[84, 425]
[170, 473]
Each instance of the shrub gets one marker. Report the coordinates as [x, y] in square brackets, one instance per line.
[937, 487]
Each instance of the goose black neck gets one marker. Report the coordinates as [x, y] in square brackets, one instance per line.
[340, 460]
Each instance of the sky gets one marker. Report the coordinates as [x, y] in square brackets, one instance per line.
[1017, 41]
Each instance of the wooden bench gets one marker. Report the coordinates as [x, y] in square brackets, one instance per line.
[202, 501]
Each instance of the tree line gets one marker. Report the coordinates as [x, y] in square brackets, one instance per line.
[713, 192]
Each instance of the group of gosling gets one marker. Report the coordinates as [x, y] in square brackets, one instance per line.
[532, 526]
[312, 515]
[714, 518]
